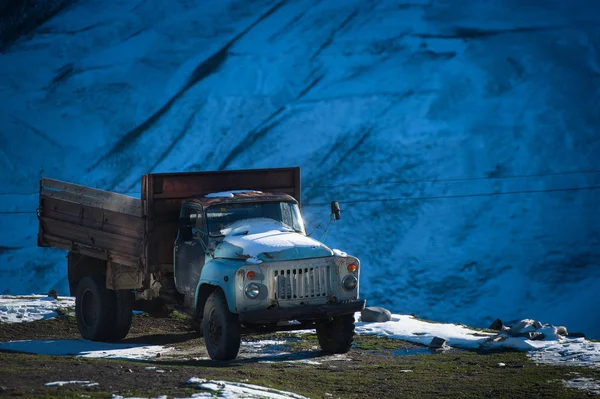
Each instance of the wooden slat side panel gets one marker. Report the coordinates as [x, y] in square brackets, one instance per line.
[93, 202]
[68, 245]
[90, 192]
[109, 221]
[92, 238]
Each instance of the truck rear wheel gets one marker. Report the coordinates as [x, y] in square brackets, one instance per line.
[94, 308]
[102, 314]
[123, 314]
[222, 333]
[336, 336]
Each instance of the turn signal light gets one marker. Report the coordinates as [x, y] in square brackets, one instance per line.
[250, 275]
[352, 268]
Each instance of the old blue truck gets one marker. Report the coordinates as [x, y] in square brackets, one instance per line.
[227, 248]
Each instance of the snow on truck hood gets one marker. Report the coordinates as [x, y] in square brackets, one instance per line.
[266, 240]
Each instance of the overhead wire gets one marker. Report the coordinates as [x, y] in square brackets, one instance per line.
[455, 196]
[422, 198]
[397, 182]
[456, 179]
[434, 197]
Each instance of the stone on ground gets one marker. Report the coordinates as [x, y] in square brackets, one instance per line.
[438, 343]
[497, 325]
[375, 314]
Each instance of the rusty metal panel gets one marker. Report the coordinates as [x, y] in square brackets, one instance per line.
[121, 277]
[185, 185]
[162, 243]
[162, 195]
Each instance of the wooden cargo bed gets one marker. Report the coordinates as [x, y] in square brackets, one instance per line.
[93, 222]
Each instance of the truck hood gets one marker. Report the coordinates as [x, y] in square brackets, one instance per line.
[265, 240]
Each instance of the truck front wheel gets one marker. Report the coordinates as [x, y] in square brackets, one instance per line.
[94, 308]
[336, 335]
[222, 333]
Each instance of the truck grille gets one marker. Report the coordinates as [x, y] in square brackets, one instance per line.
[305, 282]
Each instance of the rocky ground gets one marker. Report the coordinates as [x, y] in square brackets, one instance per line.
[374, 368]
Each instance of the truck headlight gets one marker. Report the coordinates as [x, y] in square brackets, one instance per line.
[252, 290]
[349, 282]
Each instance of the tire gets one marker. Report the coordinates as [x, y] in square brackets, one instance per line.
[94, 309]
[123, 315]
[222, 332]
[336, 336]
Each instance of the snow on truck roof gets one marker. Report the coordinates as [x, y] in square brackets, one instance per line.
[241, 196]
[231, 194]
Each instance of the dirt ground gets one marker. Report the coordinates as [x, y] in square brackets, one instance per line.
[374, 367]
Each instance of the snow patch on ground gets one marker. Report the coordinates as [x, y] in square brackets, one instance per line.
[85, 348]
[574, 351]
[14, 309]
[225, 389]
[276, 351]
[569, 351]
[422, 332]
[63, 383]
[585, 384]
[229, 390]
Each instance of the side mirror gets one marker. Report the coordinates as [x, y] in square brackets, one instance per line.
[335, 210]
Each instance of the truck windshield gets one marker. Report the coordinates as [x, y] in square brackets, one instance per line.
[220, 216]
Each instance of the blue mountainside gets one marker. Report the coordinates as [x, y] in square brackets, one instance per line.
[462, 138]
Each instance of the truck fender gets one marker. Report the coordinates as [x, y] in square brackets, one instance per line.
[203, 291]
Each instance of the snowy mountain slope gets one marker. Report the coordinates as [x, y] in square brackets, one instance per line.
[448, 131]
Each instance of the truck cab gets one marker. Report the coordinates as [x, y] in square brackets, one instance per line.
[249, 250]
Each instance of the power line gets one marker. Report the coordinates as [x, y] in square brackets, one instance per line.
[457, 196]
[396, 182]
[554, 190]
[456, 179]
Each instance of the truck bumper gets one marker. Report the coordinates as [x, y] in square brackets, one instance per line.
[306, 312]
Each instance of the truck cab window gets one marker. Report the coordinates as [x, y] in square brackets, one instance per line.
[220, 216]
[190, 220]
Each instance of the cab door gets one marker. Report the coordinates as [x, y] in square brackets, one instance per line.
[189, 250]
